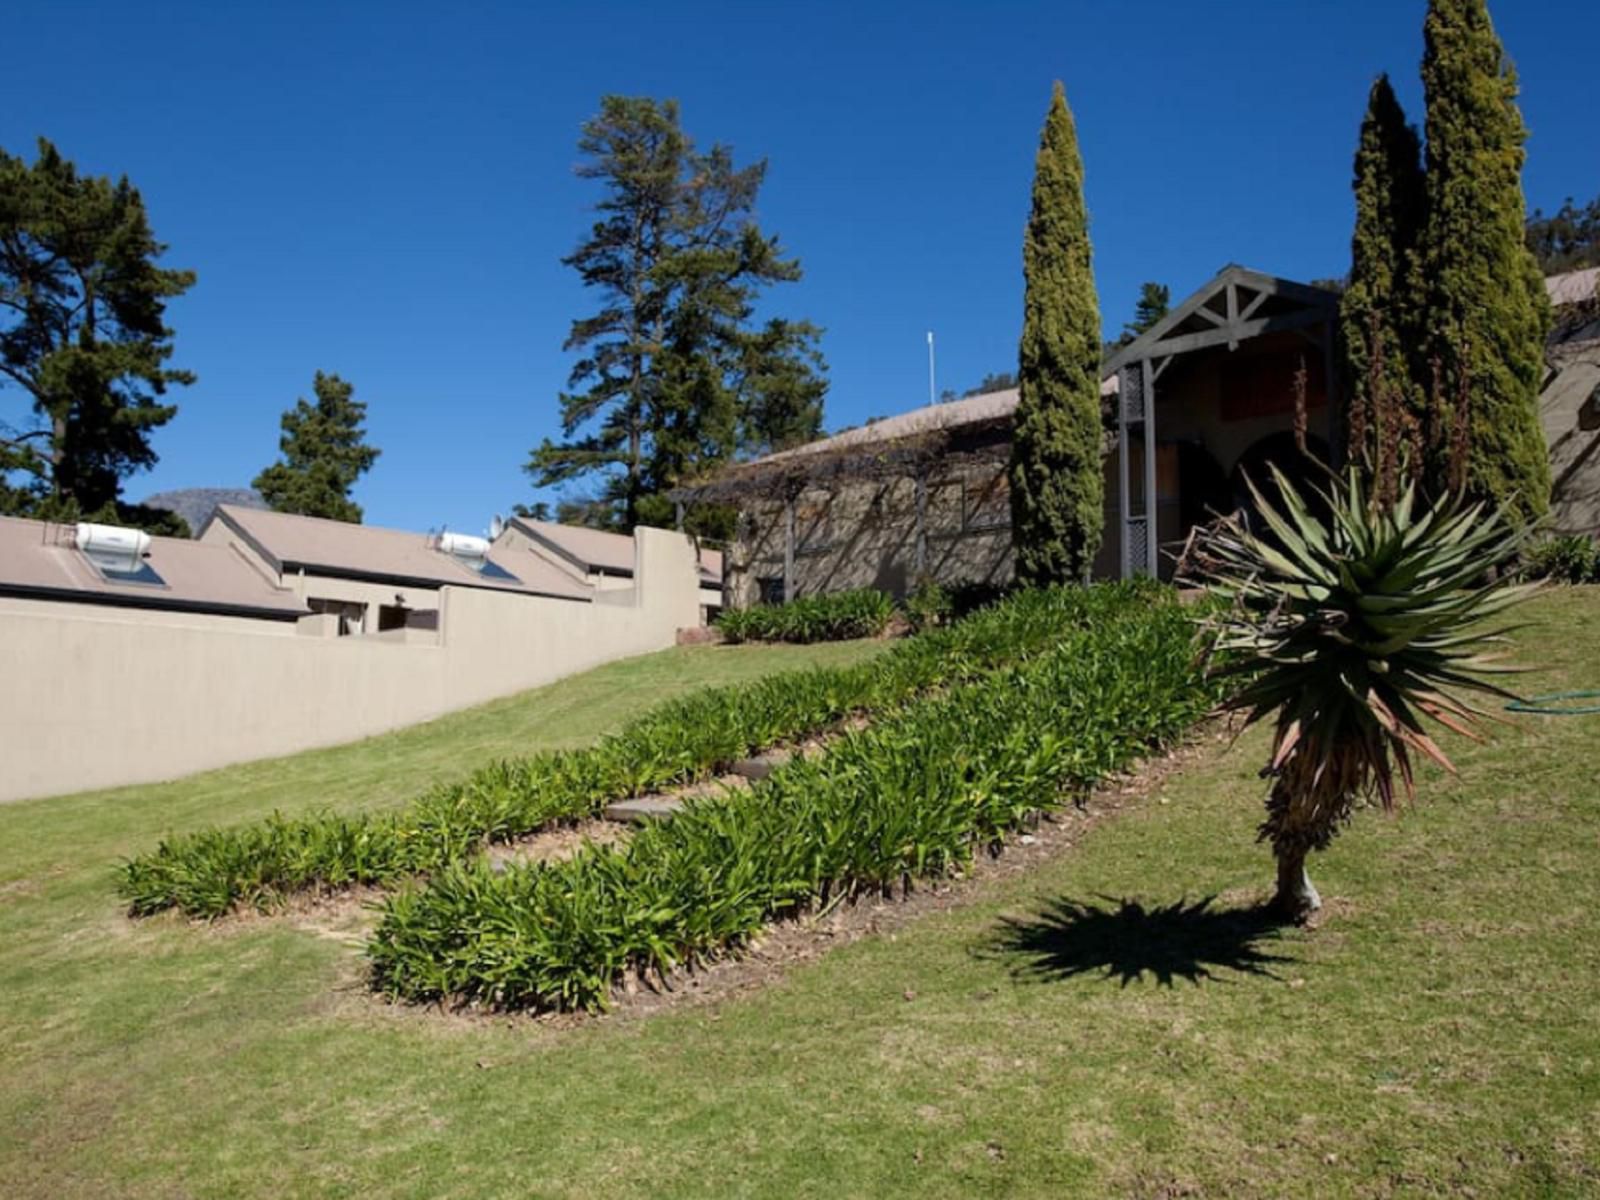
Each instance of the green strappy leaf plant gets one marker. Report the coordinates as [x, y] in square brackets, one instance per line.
[1348, 625]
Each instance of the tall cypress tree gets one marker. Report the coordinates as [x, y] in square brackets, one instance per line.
[324, 453]
[1484, 312]
[1057, 488]
[1378, 309]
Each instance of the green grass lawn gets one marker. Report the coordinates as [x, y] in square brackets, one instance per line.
[1439, 1033]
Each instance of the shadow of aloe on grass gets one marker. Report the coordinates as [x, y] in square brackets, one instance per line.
[1122, 939]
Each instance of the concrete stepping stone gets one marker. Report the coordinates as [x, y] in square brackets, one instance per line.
[761, 765]
[644, 808]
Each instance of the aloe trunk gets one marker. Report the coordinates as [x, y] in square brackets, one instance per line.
[1297, 896]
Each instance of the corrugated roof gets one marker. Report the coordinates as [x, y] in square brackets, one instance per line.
[38, 558]
[343, 550]
[1573, 287]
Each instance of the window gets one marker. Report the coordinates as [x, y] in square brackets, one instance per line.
[813, 524]
[352, 615]
[988, 503]
[769, 589]
[943, 512]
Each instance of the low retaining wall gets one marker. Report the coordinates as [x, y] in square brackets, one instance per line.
[97, 697]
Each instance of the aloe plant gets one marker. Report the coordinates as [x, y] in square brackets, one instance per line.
[1347, 628]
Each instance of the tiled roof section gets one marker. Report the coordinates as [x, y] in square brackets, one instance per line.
[590, 549]
[343, 550]
[38, 558]
[1574, 287]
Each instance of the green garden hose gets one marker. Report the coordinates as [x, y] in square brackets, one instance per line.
[1547, 706]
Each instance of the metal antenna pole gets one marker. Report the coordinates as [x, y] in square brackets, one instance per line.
[933, 397]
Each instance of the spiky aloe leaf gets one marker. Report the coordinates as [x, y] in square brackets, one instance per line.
[1353, 631]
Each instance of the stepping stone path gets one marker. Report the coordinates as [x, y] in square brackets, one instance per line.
[741, 774]
[644, 808]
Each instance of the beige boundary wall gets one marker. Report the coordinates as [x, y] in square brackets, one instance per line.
[96, 697]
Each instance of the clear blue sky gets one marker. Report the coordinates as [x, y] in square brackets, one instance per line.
[386, 190]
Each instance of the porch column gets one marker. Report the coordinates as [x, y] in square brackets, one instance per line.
[1124, 513]
[1152, 538]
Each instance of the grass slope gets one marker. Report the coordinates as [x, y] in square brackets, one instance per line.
[1439, 1033]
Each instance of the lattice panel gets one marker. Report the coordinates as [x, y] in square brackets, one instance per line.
[1138, 544]
[1131, 390]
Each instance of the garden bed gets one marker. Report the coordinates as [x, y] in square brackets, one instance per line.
[682, 742]
[913, 797]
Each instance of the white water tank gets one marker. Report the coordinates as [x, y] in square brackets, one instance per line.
[470, 551]
[111, 547]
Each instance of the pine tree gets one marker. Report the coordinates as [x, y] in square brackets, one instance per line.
[1485, 315]
[783, 381]
[1378, 308]
[82, 332]
[670, 368]
[1568, 239]
[324, 453]
[1057, 486]
[1154, 300]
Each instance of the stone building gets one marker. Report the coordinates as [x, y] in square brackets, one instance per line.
[1202, 398]
[1569, 404]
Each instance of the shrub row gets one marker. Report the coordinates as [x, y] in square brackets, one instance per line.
[1572, 558]
[909, 797]
[207, 873]
[827, 618]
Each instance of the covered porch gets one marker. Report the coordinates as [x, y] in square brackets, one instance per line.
[1240, 374]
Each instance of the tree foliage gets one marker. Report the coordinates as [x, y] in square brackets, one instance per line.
[83, 334]
[994, 381]
[1484, 312]
[1154, 301]
[1378, 312]
[1057, 486]
[673, 377]
[324, 452]
[1566, 240]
